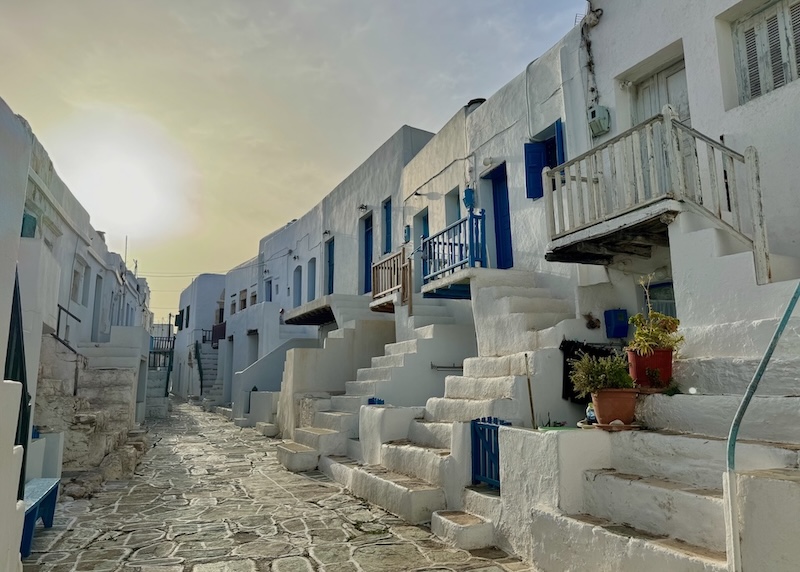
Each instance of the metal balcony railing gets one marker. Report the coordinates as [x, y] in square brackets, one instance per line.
[658, 159]
[460, 245]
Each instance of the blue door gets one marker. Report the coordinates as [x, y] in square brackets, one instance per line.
[502, 217]
[368, 254]
[329, 258]
[425, 234]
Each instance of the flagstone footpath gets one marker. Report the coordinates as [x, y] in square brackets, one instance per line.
[209, 496]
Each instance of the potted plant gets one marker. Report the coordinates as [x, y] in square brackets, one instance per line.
[610, 385]
[654, 342]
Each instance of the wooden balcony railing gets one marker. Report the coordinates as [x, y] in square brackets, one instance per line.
[460, 245]
[387, 274]
[658, 159]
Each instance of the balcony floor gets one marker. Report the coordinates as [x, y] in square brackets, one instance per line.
[632, 233]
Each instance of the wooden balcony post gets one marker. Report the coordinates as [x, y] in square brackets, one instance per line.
[550, 214]
[673, 151]
[760, 245]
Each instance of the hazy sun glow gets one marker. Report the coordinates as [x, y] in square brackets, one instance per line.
[127, 172]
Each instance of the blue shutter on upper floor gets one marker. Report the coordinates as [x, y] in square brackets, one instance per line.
[535, 161]
[561, 155]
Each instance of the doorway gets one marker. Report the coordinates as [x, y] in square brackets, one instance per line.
[502, 217]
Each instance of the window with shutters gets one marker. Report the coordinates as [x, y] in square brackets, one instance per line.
[768, 49]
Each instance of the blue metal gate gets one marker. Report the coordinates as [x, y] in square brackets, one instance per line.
[486, 450]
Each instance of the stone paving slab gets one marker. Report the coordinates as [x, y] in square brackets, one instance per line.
[211, 497]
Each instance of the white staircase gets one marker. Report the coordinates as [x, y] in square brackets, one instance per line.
[404, 375]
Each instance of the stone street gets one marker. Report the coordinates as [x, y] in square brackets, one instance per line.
[209, 496]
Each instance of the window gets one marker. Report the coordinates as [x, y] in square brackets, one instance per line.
[768, 49]
[387, 226]
[87, 285]
[76, 283]
[233, 308]
[452, 206]
[546, 152]
[242, 299]
[311, 279]
[253, 298]
[329, 256]
[186, 322]
[268, 291]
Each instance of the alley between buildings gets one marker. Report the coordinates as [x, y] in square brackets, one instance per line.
[209, 496]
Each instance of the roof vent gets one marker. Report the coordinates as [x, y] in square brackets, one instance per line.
[474, 104]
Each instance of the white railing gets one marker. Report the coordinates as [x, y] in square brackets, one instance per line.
[658, 159]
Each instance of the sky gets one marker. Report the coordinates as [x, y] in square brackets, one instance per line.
[196, 127]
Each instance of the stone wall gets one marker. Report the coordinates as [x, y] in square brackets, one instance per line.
[157, 404]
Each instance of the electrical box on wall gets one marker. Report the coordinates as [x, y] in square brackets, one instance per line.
[599, 120]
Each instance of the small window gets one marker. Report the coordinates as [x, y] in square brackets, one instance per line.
[242, 299]
[768, 49]
[233, 308]
[268, 291]
[76, 284]
[186, 322]
[253, 298]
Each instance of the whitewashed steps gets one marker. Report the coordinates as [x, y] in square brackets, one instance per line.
[405, 347]
[768, 418]
[596, 543]
[267, 429]
[324, 441]
[463, 387]
[731, 376]
[693, 459]
[348, 403]
[430, 433]
[445, 409]
[462, 529]
[412, 499]
[424, 463]
[297, 457]
[344, 422]
[657, 506]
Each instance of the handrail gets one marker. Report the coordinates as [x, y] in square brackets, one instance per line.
[753, 386]
[705, 139]
[460, 244]
[57, 333]
[199, 364]
[387, 274]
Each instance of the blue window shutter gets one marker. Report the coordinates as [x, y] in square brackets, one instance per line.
[535, 161]
[561, 155]
[387, 226]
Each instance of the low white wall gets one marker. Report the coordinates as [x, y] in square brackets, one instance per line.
[543, 470]
[378, 424]
[12, 513]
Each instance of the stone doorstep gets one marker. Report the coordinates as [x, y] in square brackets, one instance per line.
[657, 506]
[411, 499]
[325, 441]
[462, 529]
[242, 422]
[267, 429]
[597, 530]
[296, 457]
[407, 458]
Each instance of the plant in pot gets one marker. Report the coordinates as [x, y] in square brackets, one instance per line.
[654, 342]
[610, 385]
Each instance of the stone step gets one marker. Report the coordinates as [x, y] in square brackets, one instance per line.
[726, 375]
[325, 441]
[360, 388]
[345, 422]
[462, 529]
[436, 330]
[623, 548]
[411, 499]
[405, 347]
[421, 321]
[462, 387]
[374, 374]
[480, 367]
[351, 403]
[433, 309]
[430, 433]
[390, 360]
[768, 418]
[224, 411]
[693, 459]
[354, 449]
[445, 409]
[424, 463]
[657, 506]
[267, 429]
[297, 457]
[242, 422]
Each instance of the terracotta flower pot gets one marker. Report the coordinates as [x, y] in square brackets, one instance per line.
[660, 361]
[613, 404]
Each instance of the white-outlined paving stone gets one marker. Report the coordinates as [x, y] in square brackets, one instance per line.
[211, 497]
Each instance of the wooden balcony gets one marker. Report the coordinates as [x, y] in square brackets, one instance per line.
[618, 198]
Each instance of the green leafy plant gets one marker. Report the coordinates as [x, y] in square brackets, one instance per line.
[590, 374]
[655, 330]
